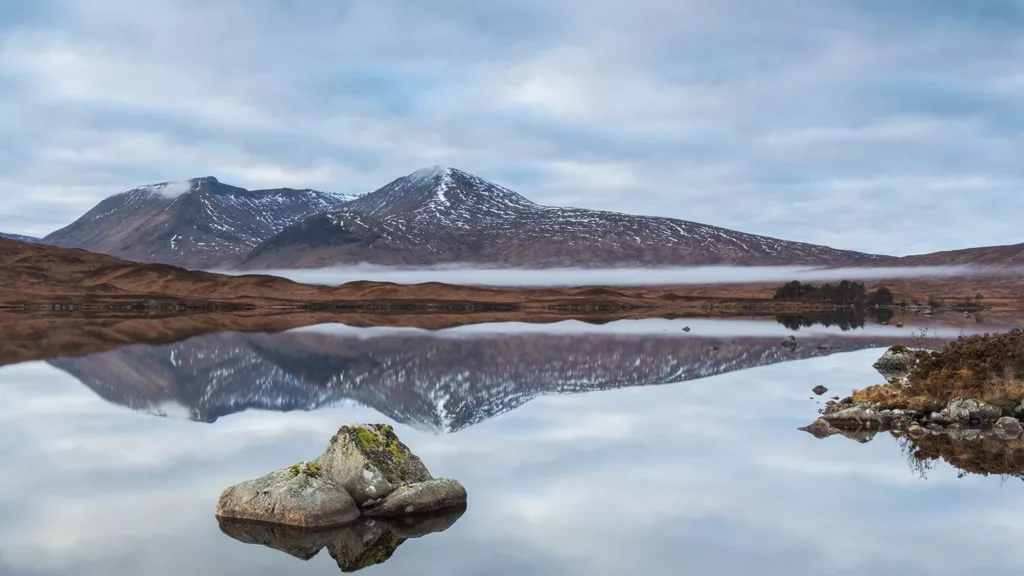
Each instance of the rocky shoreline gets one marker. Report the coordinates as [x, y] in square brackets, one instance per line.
[900, 410]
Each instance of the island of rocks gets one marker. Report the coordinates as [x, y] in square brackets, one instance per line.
[974, 387]
[365, 471]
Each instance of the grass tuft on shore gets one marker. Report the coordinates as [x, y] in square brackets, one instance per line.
[987, 367]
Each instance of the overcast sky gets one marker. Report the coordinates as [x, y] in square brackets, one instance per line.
[875, 125]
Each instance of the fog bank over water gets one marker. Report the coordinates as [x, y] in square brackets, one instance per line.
[613, 276]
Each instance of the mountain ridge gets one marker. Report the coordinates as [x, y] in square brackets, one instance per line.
[443, 215]
[198, 223]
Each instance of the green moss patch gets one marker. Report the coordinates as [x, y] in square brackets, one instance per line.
[381, 446]
[310, 469]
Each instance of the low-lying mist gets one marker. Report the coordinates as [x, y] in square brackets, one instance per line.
[613, 276]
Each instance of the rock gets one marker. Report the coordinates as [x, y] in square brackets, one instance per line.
[686, 328]
[819, 390]
[369, 462]
[300, 495]
[835, 397]
[856, 416]
[820, 428]
[896, 364]
[421, 497]
[823, 347]
[933, 427]
[916, 431]
[789, 342]
[1007, 428]
[1019, 411]
[969, 410]
[899, 324]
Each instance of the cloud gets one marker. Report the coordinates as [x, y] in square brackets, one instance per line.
[680, 276]
[861, 125]
[172, 189]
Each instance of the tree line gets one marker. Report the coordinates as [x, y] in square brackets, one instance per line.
[845, 293]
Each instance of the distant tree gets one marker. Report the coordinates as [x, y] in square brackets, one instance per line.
[846, 292]
[881, 297]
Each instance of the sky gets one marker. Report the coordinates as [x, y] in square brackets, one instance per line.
[887, 127]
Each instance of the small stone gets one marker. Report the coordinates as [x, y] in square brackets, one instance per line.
[916, 431]
[789, 342]
[819, 390]
[933, 427]
[1008, 428]
[686, 328]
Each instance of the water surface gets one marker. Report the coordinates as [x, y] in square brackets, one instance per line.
[598, 451]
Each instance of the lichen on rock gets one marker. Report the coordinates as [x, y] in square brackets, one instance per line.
[369, 461]
[281, 497]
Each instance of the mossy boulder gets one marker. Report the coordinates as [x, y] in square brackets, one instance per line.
[421, 498]
[971, 410]
[896, 365]
[370, 462]
[299, 495]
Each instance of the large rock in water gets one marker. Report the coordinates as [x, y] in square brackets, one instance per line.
[370, 462]
[364, 466]
[896, 364]
[300, 495]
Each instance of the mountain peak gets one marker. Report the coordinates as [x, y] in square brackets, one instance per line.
[429, 172]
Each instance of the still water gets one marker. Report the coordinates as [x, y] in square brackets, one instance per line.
[627, 448]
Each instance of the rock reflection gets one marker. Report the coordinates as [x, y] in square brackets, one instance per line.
[363, 543]
[969, 451]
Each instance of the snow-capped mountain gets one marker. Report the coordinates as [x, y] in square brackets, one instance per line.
[443, 215]
[432, 381]
[199, 223]
[18, 237]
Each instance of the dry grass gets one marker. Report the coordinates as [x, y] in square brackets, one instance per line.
[988, 367]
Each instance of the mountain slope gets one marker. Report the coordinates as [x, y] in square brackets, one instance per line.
[18, 238]
[444, 215]
[989, 256]
[199, 223]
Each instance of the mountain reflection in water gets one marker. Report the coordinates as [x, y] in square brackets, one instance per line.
[429, 380]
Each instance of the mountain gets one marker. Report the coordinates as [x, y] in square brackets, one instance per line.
[443, 215]
[18, 238]
[987, 256]
[199, 223]
[432, 381]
